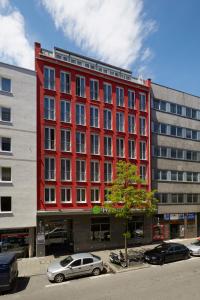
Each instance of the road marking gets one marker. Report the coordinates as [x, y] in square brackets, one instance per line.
[99, 276]
[56, 284]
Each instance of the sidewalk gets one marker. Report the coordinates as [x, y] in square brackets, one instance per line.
[38, 265]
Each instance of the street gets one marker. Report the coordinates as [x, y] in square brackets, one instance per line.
[179, 280]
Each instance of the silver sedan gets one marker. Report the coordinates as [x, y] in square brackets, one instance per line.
[75, 265]
[195, 247]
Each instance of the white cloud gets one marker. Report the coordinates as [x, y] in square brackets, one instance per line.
[15, 47]
[111, 30]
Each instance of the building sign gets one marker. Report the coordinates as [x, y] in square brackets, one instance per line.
[174, 217]
[191, 216]
[166, 217]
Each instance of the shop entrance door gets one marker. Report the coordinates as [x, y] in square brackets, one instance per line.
[174, 231]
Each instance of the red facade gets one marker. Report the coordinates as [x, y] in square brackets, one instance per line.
[47, 59]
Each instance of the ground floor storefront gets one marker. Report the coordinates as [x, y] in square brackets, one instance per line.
[62, 234]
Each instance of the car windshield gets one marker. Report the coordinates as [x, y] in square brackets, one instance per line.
[162, 247]
[197, 243]
[66, 261]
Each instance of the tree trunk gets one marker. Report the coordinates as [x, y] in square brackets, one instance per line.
[125, 243]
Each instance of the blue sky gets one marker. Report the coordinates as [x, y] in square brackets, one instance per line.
[157, 39]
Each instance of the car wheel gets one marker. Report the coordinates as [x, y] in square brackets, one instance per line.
[187, 256]
[59, 278]
[96, 272]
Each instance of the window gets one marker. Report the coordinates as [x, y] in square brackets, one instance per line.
[188, 112]
[49, 78]
[5, 84]
[5, 114]
[65, 109]
[5, 204]
[80, 195]
[65, 169]
[136, 227]
[120, 121]
[49, 168]
[107, 172]
[100, 229]
[5, 144]
[94, 116]
[142, 126]
[120, 96]
[80, 114]
[131, 99]
[94, 171]
[107, 145]
[49, 195]
[142, 98]
[94, 144]
[107, 119]
[80, 170]
[131, 123]
[76, 263]
[177, 198]
[65, 140]
[80, 142]
[142, 150]
[5, 174]
[94, 89]
[94, 195]
[143, 172]
[49, 138]
[64, 82]
[120, 147]
[107, 192]
[107, 89]
[87, 261]
[49, 108]
[80, 86]
[131, 148]
[65, 195]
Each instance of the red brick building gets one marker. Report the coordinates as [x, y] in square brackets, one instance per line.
[89, 116]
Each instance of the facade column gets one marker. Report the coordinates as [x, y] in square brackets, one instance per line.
[31, 242]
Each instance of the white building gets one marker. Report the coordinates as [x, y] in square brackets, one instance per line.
[17, 159]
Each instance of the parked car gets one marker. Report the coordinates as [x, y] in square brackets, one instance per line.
[75, 265]
[195, 247]
[167, 252]
[8, 271]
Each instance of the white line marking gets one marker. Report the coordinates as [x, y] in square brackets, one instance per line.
[57, 284]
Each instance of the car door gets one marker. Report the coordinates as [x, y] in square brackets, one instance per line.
[178, 252]
[169, 254]
[75, 268]
[87, 265]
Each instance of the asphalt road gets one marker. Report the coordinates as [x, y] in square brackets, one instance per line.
[179, 280]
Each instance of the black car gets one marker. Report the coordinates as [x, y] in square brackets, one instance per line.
[8, 271]
[167, 252]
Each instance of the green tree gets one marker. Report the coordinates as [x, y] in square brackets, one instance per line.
[126, 196]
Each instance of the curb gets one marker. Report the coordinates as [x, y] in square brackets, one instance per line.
[121, 270]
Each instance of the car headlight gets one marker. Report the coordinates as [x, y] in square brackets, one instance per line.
[153, 257]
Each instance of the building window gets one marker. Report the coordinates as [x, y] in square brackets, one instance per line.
[80, 195]
[107, 193]
[120, 121]
[142, 98]
[108, 145]
[49, 108]
[50, 168]
[143, 172]
[65, 140]
[107, 88]
[80, 142]
[177, 198]
[107, 172]
[120, 96]
[65, 169]
[142, 150]
[5, 144]
[131, 148]
[5, 174]
[94, 89]
[5, 114]
[107, 119]
[65, 109]
[6, 204]
[80, 170]
[120, 147]
[49, 78]
[80, 114]
[94, 171]
[5, 84]
[80, 86]
[49, 138]
[49, 195]
[94, 144]
[94, 195]
[131, 123]
[94, 116]
[142, 126]
[64, 82]
[100, 229]
[66, 195]
[136, 227]
[131, 99]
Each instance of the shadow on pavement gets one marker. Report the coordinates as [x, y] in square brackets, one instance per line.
[20, 285]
